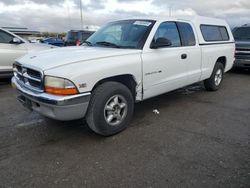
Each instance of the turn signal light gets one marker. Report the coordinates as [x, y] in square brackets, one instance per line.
[61, 91]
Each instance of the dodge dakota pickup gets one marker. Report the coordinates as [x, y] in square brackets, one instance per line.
[124, 62]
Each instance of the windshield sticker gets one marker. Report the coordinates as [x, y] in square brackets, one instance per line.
[143, 23]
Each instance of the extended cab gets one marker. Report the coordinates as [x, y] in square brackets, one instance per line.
[124, 62]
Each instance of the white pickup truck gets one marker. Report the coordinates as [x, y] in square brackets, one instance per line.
[124, 62]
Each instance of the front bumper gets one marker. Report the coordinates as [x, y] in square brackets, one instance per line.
[62, 108]
[242, 63]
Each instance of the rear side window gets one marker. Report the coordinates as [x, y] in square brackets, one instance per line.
[187, 34]
[214, 33]
[85, 36]
[224, 33]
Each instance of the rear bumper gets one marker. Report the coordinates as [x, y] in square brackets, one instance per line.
[62, 108]
[244, 63]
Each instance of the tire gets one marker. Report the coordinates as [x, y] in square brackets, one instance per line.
[214, 82]
[110, 109]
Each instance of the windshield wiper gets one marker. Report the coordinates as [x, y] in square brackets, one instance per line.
[105, 43]
[88, 43]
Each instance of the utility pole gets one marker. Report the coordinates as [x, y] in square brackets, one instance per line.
[81, 14]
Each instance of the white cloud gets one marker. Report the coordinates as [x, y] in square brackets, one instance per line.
[62, 15]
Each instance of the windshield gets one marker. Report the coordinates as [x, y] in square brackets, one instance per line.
[122, 34]
[242, 33]
[72, 36]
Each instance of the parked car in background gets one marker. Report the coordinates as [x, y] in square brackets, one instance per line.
[77, 37]
[124, 62]
[53, 41]
[13, 47]
[242, 53]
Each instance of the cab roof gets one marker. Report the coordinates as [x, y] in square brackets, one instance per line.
[198, 20]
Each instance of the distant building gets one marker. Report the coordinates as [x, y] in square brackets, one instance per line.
[22, 31]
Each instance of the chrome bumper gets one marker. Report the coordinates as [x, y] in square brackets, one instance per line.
[56, 107]
[244, 63]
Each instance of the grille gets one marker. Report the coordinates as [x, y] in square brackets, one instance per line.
[242, 53]
[243, 49]
[28, 77]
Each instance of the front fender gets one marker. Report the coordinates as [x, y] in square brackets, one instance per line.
[86, 74]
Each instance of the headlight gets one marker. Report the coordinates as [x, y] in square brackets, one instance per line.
[59, 86]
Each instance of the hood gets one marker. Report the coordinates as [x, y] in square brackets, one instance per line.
[33, 47]
[245, 44]
[48, 59]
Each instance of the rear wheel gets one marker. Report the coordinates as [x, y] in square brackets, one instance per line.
[214, 82]
[110, 109]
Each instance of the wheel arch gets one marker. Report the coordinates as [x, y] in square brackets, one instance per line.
[126, 79]
[222, 60]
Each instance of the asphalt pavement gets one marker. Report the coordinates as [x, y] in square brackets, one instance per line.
[198, 139]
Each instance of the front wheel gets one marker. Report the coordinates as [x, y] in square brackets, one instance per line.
[110, 109]
[214, 82]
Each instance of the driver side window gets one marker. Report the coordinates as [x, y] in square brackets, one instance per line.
[168, 30]
[5, 37]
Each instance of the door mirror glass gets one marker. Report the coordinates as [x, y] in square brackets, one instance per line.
[15, 41]
[160, 43]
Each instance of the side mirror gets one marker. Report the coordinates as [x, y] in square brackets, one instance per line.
[160, 43]
[16, 41]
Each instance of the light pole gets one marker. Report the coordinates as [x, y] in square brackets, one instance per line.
[81, 14]
[69, 15]
[170, 10]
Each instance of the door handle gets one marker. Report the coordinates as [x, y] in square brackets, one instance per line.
[183, 56]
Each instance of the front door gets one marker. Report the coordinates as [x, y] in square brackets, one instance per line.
[9, 52]
[165, 68]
